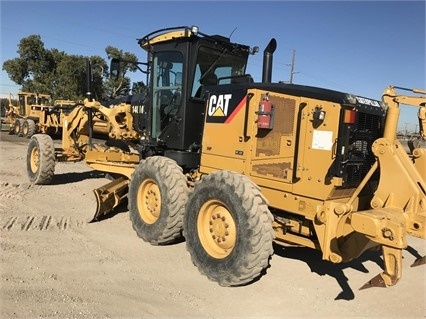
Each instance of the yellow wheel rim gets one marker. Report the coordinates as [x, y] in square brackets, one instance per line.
[17, 128]
[216, 229]
[34, 159]
[149, 201]
[25, 129]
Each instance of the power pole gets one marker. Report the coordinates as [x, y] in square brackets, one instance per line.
[292, 69]
[292, 66]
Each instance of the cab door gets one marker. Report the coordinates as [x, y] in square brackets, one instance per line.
[167, 73]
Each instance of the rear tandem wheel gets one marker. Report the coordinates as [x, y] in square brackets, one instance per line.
[40, 159]
[17, 127]
[228, 228]
[28, 128]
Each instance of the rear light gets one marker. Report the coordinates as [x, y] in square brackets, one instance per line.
[349, 117]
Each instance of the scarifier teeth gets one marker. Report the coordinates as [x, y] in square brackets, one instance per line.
[377, 281]
[419, 261]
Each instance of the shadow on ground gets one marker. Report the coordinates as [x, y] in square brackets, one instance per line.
[313, 258]
[67, 178]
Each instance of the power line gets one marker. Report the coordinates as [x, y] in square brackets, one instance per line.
[1, 84]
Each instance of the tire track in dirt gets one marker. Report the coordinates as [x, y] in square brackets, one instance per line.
[39, 223]
[16, 192]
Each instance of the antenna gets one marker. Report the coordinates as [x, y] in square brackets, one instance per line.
[232, 32]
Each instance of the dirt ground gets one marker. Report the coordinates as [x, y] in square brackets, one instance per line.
[54, 264]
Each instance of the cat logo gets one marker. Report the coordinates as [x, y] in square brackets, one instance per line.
[218, 104]
[222, 107]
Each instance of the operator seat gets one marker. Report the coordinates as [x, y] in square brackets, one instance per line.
[209, 79]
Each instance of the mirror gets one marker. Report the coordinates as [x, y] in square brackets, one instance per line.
[115, 68]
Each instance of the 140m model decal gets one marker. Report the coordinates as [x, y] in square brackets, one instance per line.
[222, 107]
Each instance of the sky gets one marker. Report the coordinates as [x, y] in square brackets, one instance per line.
[357, 47]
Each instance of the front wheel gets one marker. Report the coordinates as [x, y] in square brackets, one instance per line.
[157, 195]
[228, 228]
[40, 159]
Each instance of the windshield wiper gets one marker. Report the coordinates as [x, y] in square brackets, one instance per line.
[213, 64]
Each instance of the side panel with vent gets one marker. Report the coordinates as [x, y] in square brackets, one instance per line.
[296, 155]
[274, 149]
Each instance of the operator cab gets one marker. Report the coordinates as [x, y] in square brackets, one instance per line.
[26, 100]
[182, 63]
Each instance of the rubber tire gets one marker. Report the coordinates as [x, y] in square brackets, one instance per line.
[17, 127]
[167, 175]
[40, 159]
[28, 128]
[252, 219]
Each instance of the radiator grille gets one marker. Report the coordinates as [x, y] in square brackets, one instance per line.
[359, 156]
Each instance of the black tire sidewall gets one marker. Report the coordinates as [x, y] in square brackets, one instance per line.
[17, 127]
[233, 262]
[31, 128]
[33, 176]
[154, 233]
[25, 127]
[46, 160]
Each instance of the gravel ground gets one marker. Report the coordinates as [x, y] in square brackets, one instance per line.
[54, 264]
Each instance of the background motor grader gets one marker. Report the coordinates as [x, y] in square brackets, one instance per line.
[37, 113]
[235, 166]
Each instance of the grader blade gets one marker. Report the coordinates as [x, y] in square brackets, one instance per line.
[109, 196]
[419, 261]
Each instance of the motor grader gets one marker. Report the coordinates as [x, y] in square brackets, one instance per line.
[37, 113]
[34, 113]
[234, 166]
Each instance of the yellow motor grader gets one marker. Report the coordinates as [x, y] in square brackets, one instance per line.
[37, 113]
[234, 166]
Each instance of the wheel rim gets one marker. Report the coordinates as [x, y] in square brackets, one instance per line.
[25, 128]
[34, 159]
[216, 229]
[17, 127]
[149, 201]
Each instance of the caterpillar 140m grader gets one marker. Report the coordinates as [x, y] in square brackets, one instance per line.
[234, 166]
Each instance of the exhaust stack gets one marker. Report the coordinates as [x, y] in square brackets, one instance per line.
[267, 61]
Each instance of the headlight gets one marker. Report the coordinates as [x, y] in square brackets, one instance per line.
[351, 98]
[194, 30]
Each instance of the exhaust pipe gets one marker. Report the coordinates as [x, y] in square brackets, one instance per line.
[267, 61]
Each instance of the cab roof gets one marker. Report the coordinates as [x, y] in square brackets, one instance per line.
[164, 35]
[173, 33]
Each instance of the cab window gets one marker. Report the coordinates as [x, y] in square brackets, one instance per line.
[213, 64]
[167, 88]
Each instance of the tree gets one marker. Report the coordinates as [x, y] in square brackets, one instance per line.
[138, 87]
[63, 76]
[34, 67]
[67, 82]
